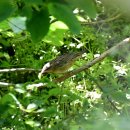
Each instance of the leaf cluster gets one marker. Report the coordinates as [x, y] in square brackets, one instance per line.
[37, 14]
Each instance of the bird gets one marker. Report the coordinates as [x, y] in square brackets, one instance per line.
[61, 63]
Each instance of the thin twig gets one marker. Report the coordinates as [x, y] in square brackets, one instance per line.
[18, 70]
[102, 21]
[3, 84]
[96, 60]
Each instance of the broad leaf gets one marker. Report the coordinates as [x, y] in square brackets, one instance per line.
[87, 5]
[7, 7]
[17, 24]
[65, 14]
[38, 25]
[56, 33]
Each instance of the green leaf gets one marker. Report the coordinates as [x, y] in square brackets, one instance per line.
[51, 111]
[17, 24]
[38, 25]
[20, 90]
[31, 107]
[33, 1]
[5, 64]
[65, 14]
[87, 5]
[56, 33]
[26, 11]
[5, 103]
[6, 9]
[55, 92]
[4, 25]
[120, 97]
[6, 99]
[32, 123]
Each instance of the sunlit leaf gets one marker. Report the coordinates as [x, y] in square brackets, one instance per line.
[64, 13]
[32, 123]
[17, 24]
[56, 33]
[31, 107]
[4, 25]
[20, 90]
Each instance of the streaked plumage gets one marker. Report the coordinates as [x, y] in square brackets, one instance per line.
[61, 64]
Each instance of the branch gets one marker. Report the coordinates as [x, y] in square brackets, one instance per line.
[102, 21]
[93, 62]
[3, 84]
[18, 70]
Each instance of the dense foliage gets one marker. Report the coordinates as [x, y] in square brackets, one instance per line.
[35, 32]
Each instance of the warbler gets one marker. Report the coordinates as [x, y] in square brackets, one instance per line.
[61, 64]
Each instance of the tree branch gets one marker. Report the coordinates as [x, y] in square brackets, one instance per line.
[112, 50]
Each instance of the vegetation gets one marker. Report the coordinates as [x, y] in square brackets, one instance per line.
[94, 94]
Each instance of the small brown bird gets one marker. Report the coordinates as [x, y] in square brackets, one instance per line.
[61, 64]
